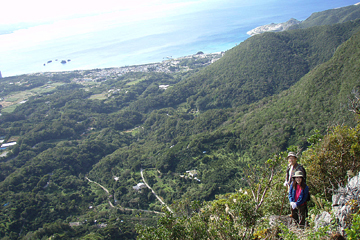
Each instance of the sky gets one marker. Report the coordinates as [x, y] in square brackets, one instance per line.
[40, 11]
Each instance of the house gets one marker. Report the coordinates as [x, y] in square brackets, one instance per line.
[164, 87]
[192, 173]
[5, 145]
[139, 186]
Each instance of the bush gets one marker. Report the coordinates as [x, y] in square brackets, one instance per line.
[354, 232]
[328, 161]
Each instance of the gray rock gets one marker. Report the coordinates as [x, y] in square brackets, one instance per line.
[275, 220]
[340, 201]
[354, 182]
[323, 219]
[274, 27]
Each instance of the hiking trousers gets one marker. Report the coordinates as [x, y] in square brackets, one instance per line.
[299, 214]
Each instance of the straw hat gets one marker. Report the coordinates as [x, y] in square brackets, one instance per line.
[298, 174]
[291, 154]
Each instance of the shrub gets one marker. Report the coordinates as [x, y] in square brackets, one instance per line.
[328, 161]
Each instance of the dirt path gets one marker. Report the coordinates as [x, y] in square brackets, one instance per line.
[162, 202]
[121, 208]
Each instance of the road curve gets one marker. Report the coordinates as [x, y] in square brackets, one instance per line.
[122, 208]
[147, 185]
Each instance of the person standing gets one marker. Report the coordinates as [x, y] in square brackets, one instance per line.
[298, 196]
[292, 168]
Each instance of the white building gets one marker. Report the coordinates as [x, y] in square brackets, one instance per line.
[8, 144]
[139, 186]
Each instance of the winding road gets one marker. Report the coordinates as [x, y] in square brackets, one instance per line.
[122, 208]
[147, 185]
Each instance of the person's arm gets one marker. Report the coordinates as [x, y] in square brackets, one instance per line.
[286, 183]
[291, 197]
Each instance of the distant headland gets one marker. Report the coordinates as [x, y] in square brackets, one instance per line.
[274, 27]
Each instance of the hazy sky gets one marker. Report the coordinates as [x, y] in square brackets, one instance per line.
[36, 11]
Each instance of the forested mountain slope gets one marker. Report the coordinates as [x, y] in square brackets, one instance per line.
[317, 101]
[264, 95]
[261, 66]
[331, 16]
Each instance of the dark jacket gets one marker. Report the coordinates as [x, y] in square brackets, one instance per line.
[298, 167]
[303, 195]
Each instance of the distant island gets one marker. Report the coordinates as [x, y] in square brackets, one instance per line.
[62, 61]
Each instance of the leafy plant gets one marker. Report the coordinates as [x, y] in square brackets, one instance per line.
[354, 232]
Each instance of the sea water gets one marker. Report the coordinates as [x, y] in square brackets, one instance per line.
[145, 41]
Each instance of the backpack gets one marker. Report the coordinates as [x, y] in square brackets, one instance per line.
[308, 197]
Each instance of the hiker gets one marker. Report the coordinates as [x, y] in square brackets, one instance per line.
[292, 168]
[298, 196]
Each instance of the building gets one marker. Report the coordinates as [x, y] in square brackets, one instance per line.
[192, 173]
[5, 145]
[139, 186]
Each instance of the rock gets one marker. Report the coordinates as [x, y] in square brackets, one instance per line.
[275, 220]
[354, 183]
[322, 220]
[274, 27]
[343, 201]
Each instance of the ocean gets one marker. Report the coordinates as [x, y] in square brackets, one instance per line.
[89, 43]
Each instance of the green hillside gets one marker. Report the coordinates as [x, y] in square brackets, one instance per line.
[261, 66]
[331, 16]
[263, 96]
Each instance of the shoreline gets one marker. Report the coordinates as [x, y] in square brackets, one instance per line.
[163, 66]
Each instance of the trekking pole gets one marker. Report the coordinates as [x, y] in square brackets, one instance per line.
[283, 201]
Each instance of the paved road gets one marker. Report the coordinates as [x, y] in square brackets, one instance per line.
[162, 202]
[121, 208]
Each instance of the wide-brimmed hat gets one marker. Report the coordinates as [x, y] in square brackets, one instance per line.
[291, 154]
[298, 174]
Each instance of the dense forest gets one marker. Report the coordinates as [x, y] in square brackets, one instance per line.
[84, 141]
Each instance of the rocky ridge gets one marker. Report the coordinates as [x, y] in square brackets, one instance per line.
[274, 27]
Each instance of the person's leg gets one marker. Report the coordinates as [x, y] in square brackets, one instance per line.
[302, 215]
[295, 215]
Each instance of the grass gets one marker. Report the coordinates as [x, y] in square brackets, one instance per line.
[134, 131]
[159, 182]
[10, 102]
[13, 138]
[12, 99]
[9, 109]
[100, 96]
[135, 81]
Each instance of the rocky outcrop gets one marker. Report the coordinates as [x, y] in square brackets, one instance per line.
[344, 203]
[274, 27]
[322, 220]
